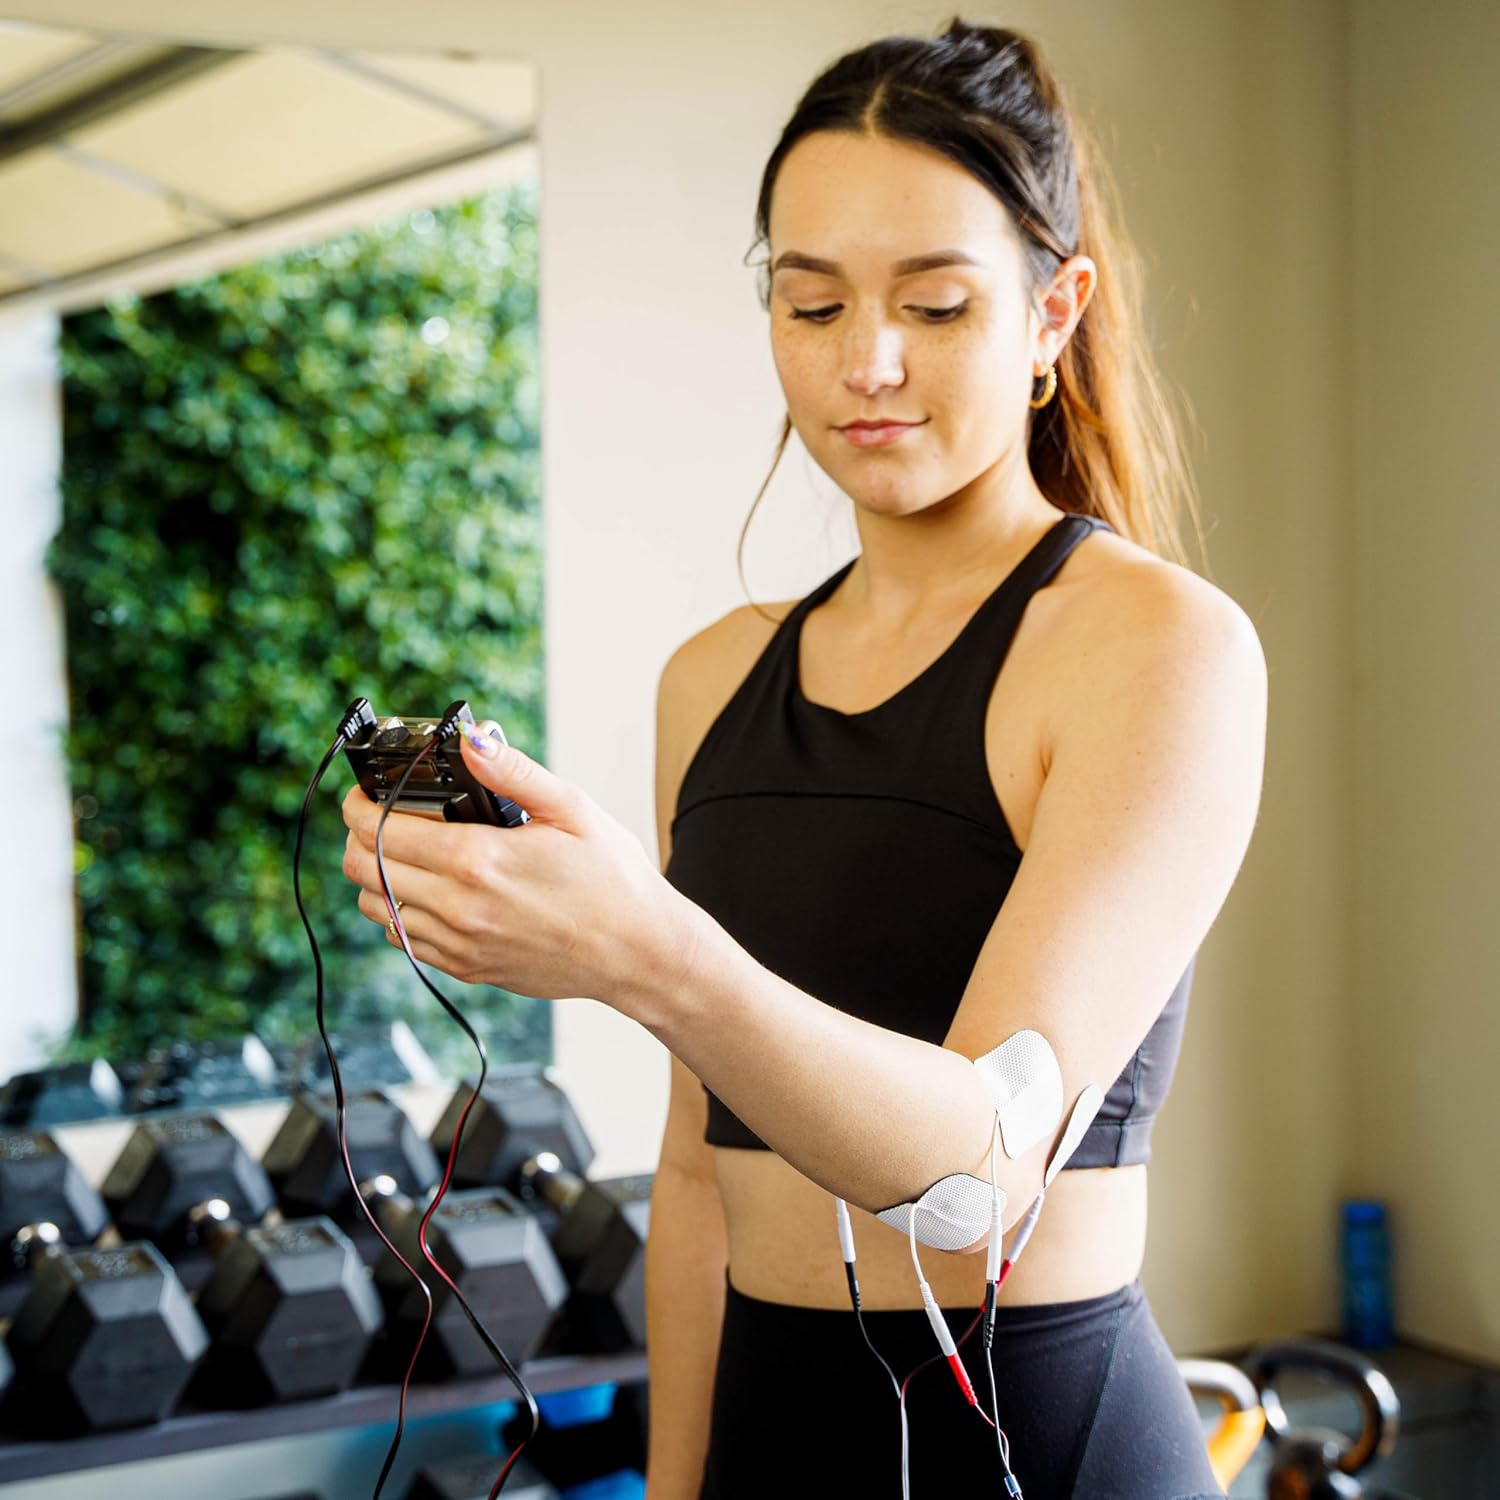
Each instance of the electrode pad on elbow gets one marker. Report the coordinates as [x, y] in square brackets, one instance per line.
[1025, 1082]
[954, 1213]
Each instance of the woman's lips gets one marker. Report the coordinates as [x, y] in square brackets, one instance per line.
[877, 437]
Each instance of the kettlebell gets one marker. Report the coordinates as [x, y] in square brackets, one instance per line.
[1317, 1463]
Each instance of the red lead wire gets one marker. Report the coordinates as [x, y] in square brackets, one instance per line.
[961, 1375]
[963, 1380]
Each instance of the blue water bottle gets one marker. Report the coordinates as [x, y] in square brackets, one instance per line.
[1366, 1260]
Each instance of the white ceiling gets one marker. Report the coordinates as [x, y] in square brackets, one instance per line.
[125, 162]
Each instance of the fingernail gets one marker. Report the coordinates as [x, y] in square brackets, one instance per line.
[481, 742]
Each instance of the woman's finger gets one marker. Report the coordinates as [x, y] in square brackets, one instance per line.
[424, 950]
[372, 905]
[429, 936]
[416, 921]
[408, 882]
[412, 838]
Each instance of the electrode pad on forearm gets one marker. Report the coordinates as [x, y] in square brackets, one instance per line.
[1023, 1079]
[1025, 1082]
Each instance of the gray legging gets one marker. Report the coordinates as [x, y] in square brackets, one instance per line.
[1090, 1398]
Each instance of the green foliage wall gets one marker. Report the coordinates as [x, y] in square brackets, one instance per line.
[305, 479]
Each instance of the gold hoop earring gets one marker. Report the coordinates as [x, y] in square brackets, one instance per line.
[1048, 392]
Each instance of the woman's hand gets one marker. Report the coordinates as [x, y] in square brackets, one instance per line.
[566, 905]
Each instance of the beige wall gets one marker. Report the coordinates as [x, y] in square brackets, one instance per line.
[1425, 539]
[1278, 288]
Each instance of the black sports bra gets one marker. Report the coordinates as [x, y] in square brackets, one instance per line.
[863, 856]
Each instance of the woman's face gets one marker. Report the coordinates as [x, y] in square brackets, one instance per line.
[951, 348]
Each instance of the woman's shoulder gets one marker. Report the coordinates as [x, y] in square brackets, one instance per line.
[1115, 585]
[1118, 612]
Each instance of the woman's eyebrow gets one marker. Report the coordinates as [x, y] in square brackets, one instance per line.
[795, 260]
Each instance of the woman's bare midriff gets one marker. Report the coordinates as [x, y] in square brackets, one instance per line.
[783, 1241]
[1091, 1236]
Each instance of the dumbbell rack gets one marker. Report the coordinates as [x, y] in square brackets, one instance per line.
[193, 1429]
[363, 1406]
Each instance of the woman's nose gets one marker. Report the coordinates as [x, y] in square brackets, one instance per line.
[873, 354]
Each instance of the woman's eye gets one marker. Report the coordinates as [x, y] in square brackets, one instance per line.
[943, 314]
[932, 314]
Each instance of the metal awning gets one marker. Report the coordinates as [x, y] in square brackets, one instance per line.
[121, 158]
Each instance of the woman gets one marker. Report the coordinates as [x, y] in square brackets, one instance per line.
[846, 789]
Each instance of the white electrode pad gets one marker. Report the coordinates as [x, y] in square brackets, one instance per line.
[1025, 1081]
[1085, 1107]
[952, 1214]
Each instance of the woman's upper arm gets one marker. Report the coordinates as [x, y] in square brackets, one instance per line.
[1151, 796]
[682, 1146]
[668, 734]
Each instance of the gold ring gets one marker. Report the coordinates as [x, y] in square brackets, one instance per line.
[390, 926]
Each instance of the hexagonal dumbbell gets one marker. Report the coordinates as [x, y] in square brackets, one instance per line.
[306, 1166]
[289, 1306]
[494, 1251]
[524, 1134]
[600, 1242]
[175, 1164]
[44, 1199]
[520, 1111]
[104, 1339]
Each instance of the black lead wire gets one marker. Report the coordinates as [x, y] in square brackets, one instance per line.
[446, 728]
[340, 739]
[859, 1318]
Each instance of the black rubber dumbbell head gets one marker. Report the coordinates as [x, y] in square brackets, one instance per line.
[104, 1339]
[39, 1184]
[600, 1240]
[290, 1308]
[172, 1165]
[307, 1169]
[522, 1110]
[498, 1256]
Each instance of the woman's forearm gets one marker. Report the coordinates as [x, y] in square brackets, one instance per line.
[871, 1115]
